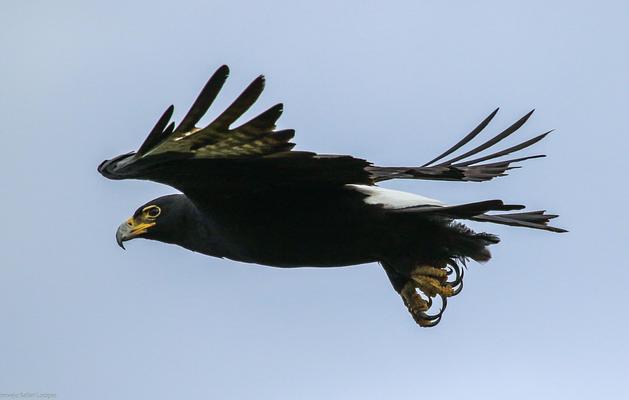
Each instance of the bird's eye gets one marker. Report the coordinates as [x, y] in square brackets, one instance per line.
[152, 211]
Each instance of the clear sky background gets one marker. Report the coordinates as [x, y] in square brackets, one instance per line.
[394, 82]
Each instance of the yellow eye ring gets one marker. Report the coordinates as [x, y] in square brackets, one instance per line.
[152, 211]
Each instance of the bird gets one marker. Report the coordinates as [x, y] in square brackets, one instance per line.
[246, 195]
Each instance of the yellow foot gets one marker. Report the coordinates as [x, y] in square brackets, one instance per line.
[432, 281]
[427, 282]
[418, 306]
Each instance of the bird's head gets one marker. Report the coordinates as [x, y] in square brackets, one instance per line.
[158, 219]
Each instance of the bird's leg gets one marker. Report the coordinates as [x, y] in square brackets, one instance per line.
[430, 282]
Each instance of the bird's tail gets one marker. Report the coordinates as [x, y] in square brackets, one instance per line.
[478, 212]
[532, 219]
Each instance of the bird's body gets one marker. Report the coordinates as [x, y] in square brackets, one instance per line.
[305, 227]
[302, 227]
[248, 197]
[292, 230]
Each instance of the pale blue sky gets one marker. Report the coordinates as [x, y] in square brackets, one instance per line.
[395, 83]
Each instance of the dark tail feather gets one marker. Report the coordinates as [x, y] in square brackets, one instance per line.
[532, 219]
[465, 211]
[477, 212]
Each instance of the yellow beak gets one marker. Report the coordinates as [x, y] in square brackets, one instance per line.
[130, 229]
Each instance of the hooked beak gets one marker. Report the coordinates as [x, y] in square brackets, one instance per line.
[130, 229]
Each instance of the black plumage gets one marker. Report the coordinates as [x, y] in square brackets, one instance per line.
[249, 197]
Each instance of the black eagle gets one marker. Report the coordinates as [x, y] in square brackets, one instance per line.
[247, 196]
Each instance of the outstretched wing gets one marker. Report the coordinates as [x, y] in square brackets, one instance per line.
[464, 167]
[193, 159]
[222, 158]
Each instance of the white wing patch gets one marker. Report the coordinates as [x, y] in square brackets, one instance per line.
[393, 199]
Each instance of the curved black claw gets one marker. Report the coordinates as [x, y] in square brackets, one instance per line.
[426, 320]
[431, 323]
[426, 283]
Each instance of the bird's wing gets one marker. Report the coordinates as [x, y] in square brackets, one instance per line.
[464, 167]
[222, 158]
[192, 158]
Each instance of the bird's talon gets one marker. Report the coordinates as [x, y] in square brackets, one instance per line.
[426, 283]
